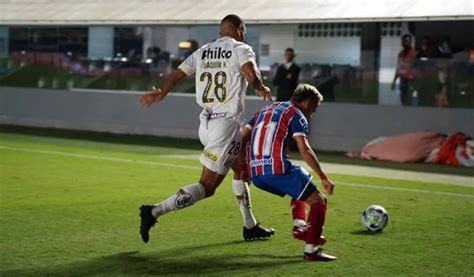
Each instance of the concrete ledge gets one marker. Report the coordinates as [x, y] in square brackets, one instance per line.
[335, 126]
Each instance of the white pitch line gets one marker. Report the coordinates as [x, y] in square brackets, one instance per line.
[397, 174]
[94, 157]
[405, 189]
[104, 158]
[366, 171]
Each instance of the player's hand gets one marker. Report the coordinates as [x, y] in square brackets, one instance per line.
[393, 86]
[154, 96]
[265, 92]
[328, 186]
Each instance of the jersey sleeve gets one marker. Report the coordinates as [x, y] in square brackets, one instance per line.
[299, 125]
[245, 54]
[188, 66]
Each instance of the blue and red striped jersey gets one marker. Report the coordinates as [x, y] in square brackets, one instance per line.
[272, 129]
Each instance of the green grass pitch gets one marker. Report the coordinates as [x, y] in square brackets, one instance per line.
[70, 208]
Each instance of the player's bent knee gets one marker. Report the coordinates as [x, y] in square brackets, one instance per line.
[322, 200]
[209, 188]
[316, 197]
[210, 192]
[322, 197]
[210, 181]
[210, 185]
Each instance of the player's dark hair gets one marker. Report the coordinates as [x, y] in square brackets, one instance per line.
[305, 91]
[406, 36]
[233, 19]
[289, 50]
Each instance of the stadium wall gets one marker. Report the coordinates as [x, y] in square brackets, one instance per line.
[335, 126]
[330, 50]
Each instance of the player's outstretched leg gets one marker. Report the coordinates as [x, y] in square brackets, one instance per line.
[147, 221]
[185, 197]
[258, 232]
[252, 229]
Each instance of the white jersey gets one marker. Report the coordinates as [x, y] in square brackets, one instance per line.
[220, 83]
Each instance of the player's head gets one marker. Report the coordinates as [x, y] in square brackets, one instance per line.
[233, 26]
[425, 43]
[289, 55]
[406, 41]
[307, 98]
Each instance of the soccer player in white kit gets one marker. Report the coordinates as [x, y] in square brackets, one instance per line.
[222, 69]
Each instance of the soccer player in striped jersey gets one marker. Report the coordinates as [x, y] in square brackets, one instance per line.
[222, 70]
[268, 134]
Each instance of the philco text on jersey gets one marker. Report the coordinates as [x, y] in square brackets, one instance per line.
[216, 53]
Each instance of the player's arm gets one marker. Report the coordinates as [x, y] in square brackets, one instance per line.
[312, 160]
[253, 76]
[158, 94]
[394, 80]
[395, 77]
[245, 133]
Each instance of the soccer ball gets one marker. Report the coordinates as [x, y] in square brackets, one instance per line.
[375, 218]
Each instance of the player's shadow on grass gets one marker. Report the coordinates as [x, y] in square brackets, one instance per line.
[199, 259]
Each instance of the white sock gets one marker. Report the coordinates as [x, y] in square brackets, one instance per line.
[242, 193]
[309, 248]
[185, 197]
[300, 223]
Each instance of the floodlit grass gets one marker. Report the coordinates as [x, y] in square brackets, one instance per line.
[69, 207]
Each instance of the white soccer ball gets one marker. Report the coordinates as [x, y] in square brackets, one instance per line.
[375, 218]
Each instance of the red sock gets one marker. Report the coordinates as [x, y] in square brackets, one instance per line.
[298, 209]
[317, 216]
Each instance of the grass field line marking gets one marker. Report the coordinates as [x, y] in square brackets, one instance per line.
[404, 189]
[104, 158]
[94, 157]
[366, 171]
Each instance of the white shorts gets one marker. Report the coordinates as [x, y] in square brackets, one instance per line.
[222, 143]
